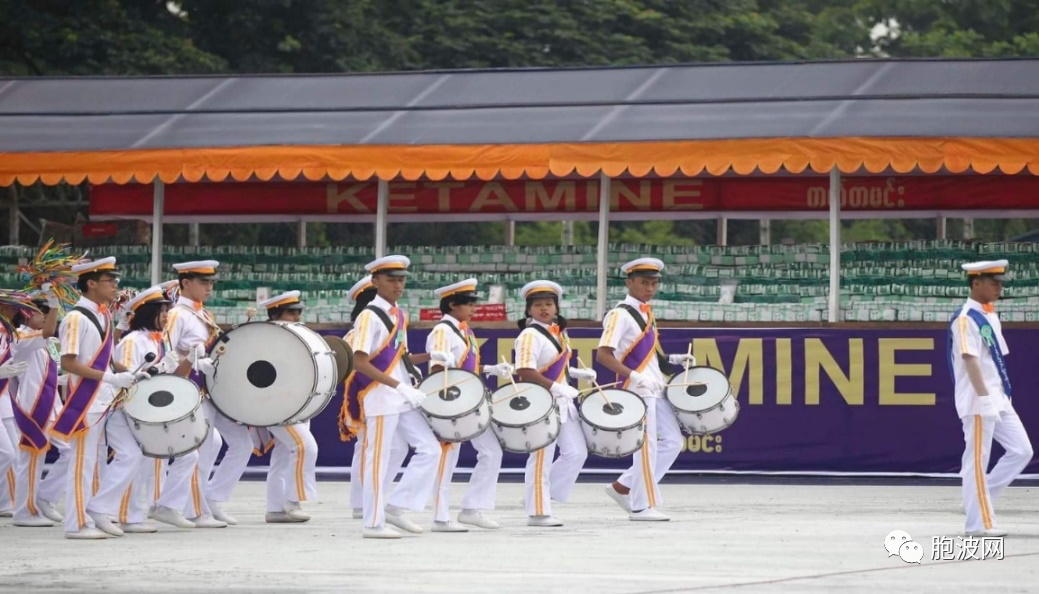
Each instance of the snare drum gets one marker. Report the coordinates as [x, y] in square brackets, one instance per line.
[271, 373]
[524, 417]
[459, 413]
[614, 422]
[165, 416]
[705, 406]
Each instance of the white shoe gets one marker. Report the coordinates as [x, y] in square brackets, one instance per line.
[6, 513]
[219, 513]
[151, 512]
[280, 518]
[172, 517]
[104, 524]
[648, 515]
[34, 522]
[449, 526]
[139, 528]
[208, 522]
[403, 523]
[544, 521]
[991, 532]
[295, 511]
[87, 534]
[475, 518]
[50, 511]
[619, 498]
[380, 532]
[358, 513]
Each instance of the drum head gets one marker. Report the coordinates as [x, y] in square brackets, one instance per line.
[265, 374]
[162, 399]
[531, 404]
[613, 409]
[344, 356]
[709, 388]
[464, 393]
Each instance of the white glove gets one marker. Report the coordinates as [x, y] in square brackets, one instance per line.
[500, 371]
[442, 359]
[560, 390]
[645, 381]
[169, 362]
[122, 321]
[11, 369]
[122, 380]
[989, 408]
[580, 373]
[680, 359]
[52, 299]
[63, 380]
[413, 395]
[205, 366]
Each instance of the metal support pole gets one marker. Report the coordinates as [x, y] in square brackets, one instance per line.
[14, 221]
[158, 207]
[193, 234]
[604, 241]
[302, 235]
[382, 207]
[835, 245]
[568, 233]
[510, 233]
[941, 223]
[968, 228]
[765, 232]
[723, 231]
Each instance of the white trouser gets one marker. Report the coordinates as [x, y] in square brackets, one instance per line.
[152, 479]
[30, 487]
[979, 489]
[292, 476]
[8, 446]
[143, 491]
[573, 451]
[121, 470]
[482, 483]
[79, 485]
[417, 484]
[52, 488]
[651, 463]
[236, 458]
[398, 451]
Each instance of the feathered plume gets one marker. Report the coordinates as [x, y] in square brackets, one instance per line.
[53, 265]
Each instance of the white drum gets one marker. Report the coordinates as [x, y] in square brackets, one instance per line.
[166, 417]
[702, 400]
[524, 417]
[459, 413]
[614, 422]
[271, 373]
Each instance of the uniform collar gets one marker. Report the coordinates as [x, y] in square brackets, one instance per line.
[977, 305]
[382, 303]
[189, 303]
[453, 320]
[629, 300]
[89, 305]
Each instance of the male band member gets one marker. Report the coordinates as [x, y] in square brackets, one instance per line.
[543, 358]
[292, 477]
[388, 403]
[630, 347]
[453, 335]
[977, 352]
[12, 303]
[87, 346]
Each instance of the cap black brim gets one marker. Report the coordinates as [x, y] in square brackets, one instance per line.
[542, 295]
[392, 272]
[646, 273]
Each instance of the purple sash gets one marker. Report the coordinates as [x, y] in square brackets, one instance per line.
[642, 351]
[471, 359]
[32, 425]
[556, 370]
[82, 394]
[4, 359]
[358, 385]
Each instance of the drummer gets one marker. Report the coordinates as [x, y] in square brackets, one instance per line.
[124, 482]
[382, 395]
[543, 358]
[453, 335]
[630, 329]
[292, 477]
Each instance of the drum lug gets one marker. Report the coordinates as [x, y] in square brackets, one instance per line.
[170, 451]
[165, 428]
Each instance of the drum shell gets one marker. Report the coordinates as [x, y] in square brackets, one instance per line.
[713, 420]
[528, 437]
[614, 442]
[463, 427]
[172, 438]
[462, 424]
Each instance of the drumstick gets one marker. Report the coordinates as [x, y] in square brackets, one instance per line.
[689, 352]
[600, 386]
[458, 383]
[687, 384]
[514, 388]
[596, 384]
[517, 393]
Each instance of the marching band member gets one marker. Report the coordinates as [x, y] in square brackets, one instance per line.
[381, 393]
[87, 341]
[292, 477]
[983, 399]
[453, 335]
[190, 329]
[543, 358]
[11, 303]
[362, 293]
[631, 330]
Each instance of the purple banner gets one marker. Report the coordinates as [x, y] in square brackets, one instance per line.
[814, 400]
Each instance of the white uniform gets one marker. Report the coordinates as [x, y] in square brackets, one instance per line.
[388, 414]
[534, 351]
[187, 326]
[483, 482]
[292, 474]
[663, 432]
[8, 439]
[978, 489]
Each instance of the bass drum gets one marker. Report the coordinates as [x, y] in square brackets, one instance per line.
[271, 373]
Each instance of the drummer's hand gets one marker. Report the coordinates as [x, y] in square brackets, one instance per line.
[681, 358]
[122, 320]
[580, 373]
[645, 381]
[12, 369]
[63, 379]
[413, 395]
[442, 358]
[560, 390]
[122, 379]
[205, 366]
[199, 352]
[500, 371]
[170, 362]
[141, 375]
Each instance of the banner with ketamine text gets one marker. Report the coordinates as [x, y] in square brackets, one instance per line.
[812, 400]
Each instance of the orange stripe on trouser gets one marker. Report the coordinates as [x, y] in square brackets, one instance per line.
[158, 479]
[301, 492]
[78, 489]
[31, 501]
[647, 475]
[364, 455]
[196, 495]
[979, 474]
[124, 505]
[445, 450]
[10, 482]
[96, 485]
[376, 454]
[539, 466]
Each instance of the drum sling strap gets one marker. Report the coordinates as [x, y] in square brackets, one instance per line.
[97, 324]
[665, 367]
[559, 348]
[405, 358]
